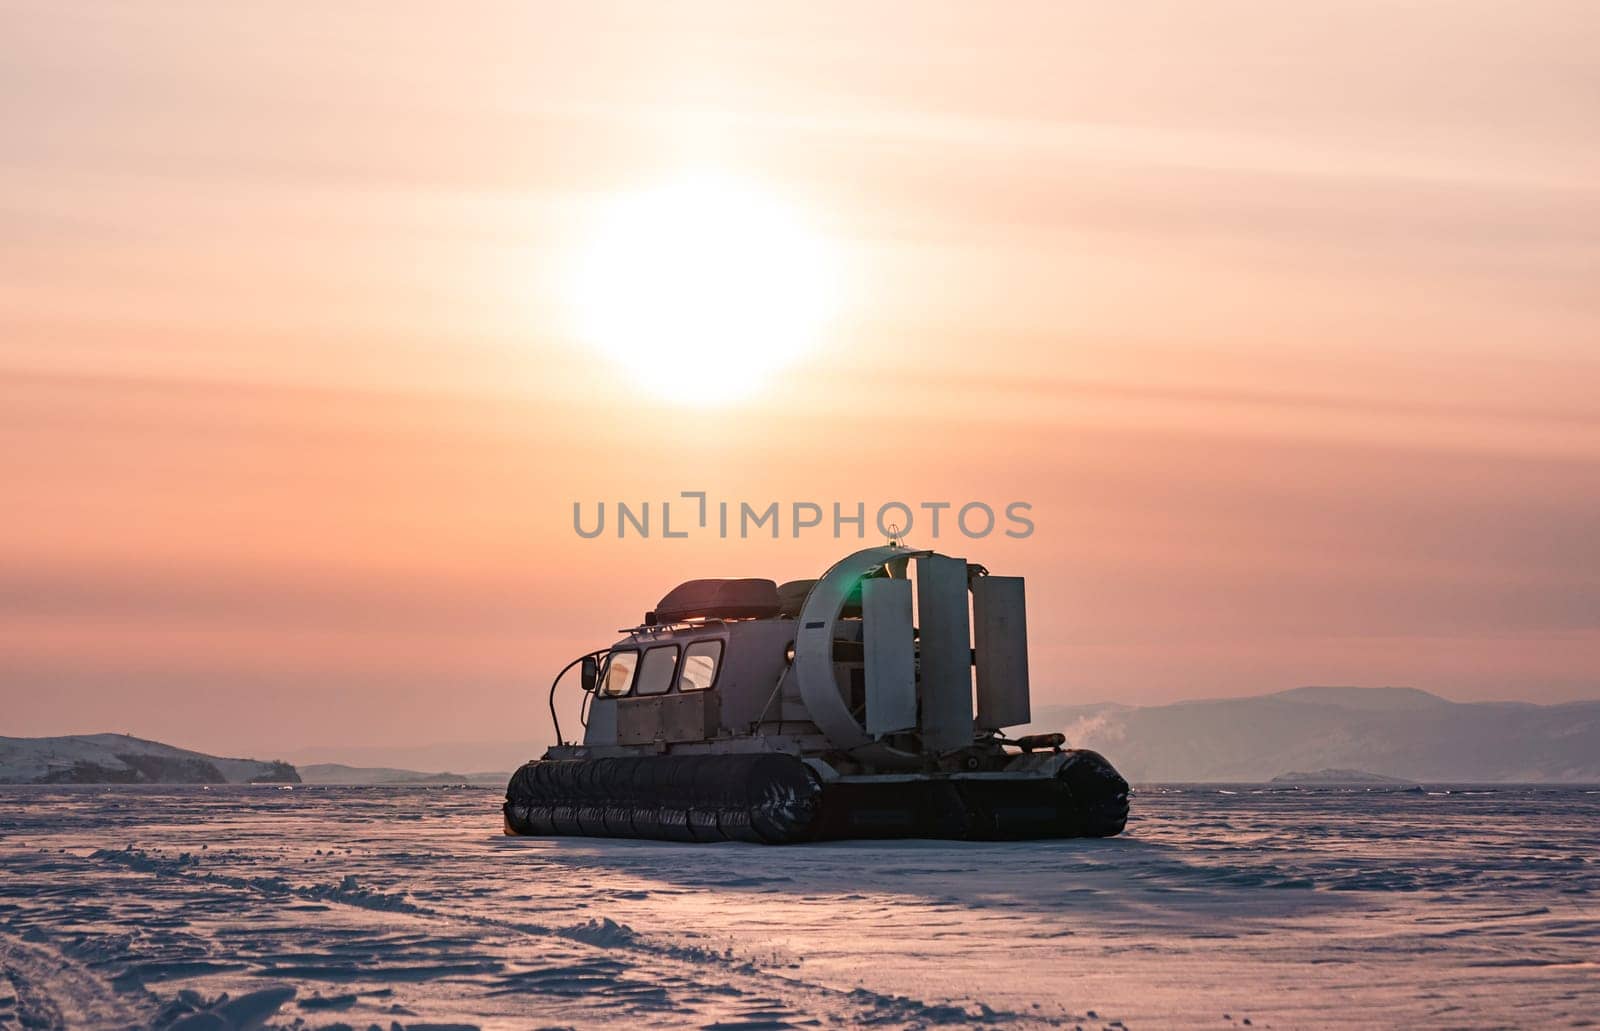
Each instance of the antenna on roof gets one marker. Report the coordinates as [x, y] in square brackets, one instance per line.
[897, 539]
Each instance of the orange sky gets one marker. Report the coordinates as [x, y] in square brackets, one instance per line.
[1283, 318]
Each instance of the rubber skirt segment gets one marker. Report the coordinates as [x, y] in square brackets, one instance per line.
[778, 799]
[1099, 792]
[771, 799]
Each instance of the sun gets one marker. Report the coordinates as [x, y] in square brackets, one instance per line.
[703, 288]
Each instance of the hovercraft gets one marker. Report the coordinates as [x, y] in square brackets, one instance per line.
[739, 710]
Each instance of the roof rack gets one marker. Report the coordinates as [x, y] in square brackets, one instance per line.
[681, 624]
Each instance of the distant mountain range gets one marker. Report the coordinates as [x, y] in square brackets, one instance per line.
[339, 773]
[120, 759]
[1402, 732]
[1399, 733]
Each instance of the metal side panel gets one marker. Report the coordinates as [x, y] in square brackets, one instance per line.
[1000, 637]
[691, 716]
[946, 652]
[890, 655]
[602, 728]
[638, 720]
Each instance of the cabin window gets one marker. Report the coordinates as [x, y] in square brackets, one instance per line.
[700, 661]
[655, 671]
[619, 673]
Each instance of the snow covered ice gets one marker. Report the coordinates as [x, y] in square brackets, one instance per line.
[308, 907]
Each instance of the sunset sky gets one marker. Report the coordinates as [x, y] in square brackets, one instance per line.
[1285, 319]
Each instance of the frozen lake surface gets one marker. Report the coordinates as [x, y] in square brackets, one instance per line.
[1220, 907]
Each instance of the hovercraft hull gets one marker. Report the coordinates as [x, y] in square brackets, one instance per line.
[779, 799]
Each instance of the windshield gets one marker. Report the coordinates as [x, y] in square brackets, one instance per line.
[655, 675]
[619, 673]
[700, 666]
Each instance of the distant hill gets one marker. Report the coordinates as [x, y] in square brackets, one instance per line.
[339, 773]
[444, 755]
[1406, 733]
[120, 759]
[1338, 777]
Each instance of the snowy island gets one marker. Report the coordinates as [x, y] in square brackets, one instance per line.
[123, 759]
